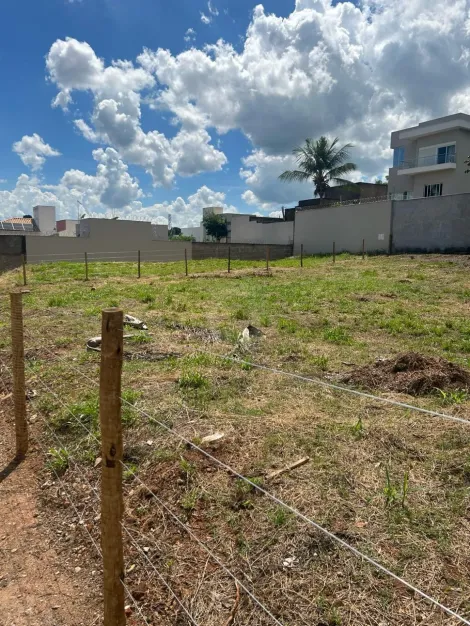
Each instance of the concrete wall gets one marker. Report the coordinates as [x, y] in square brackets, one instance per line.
[346, 225]
[244, 230]
[194, 231]
[440, 224]
[48, 249]
[67, 228]
[44, 216]
[11, 249]
[242, 252]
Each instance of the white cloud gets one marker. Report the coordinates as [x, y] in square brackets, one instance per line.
[353, 70]
[112, 187]
[33, 151]
[212, 9]
[3, 181]
[190, 35]
[116, 117]
[261, 174]
[205, 19]
[184, 212]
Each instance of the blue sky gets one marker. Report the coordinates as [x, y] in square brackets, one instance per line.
[210, 124]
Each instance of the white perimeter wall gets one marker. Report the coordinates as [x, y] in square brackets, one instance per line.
[41, 249]
[346, 225]
[244, 231]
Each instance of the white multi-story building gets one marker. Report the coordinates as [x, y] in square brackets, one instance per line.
[429, 159]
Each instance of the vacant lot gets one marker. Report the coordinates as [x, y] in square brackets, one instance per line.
[391, 482]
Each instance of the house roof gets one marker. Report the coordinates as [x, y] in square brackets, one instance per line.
[19, 224]
[18, 220]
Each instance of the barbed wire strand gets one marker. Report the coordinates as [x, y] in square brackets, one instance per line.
[136, 545]
[76, 466]
[309, 379]
[290, 508]
[253, 597]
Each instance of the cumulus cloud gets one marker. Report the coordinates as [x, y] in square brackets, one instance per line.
[111, 187]
[184, 212]
[33, 151]
[205, 19]
[116, 118]
[353, 70]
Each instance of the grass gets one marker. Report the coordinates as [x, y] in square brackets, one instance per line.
[393, 483]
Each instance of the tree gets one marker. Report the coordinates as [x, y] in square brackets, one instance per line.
[174, 232]
[322, 162]
[215, 226]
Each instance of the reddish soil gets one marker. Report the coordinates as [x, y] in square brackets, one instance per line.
[40, 583]
[411, 373]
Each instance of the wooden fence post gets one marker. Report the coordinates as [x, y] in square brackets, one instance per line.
[228, 264]
[19, 387]
[186, 260]
[301, 255]
[267, 258]
[363, 249]
[138, 264]
[111, 467]
[334, 251]
[86, 265]
[23, 262]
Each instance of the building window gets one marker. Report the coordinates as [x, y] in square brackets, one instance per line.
[433, 190]
[398, 156]
[446, 154]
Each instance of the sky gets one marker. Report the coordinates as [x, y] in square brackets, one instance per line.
[146, 108]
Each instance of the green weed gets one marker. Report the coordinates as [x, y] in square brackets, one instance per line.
[193, 380]
[337, 335]
[455, 396]
[58, 461]
[280, 516]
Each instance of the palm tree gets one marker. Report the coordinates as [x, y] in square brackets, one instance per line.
[322, 162]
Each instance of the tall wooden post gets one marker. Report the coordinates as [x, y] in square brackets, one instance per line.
[301, 255]
[334, 251]
[363, 249]
[186, 261]
[86, 265]
[267, 258]
[111, 467]
[19, 387]
[228, 262]
[23, 262]
[390, 244]
[138, 264]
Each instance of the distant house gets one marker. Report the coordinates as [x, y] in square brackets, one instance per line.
[429, 159]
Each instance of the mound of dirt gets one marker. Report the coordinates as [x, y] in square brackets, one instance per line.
[411, 373]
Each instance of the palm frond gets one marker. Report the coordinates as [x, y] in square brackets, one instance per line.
[290, 176]
[341, 170]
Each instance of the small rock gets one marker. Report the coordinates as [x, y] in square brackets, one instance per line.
[213, 438]
[289, 562]
[78, 570]
[98, 462]
[146, 550]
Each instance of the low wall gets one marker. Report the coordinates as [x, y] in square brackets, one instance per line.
[438, 224]
[11, 249]
[346, 225]
[240, 251]
[49, 249]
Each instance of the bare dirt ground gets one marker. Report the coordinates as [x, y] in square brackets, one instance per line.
[39, 584]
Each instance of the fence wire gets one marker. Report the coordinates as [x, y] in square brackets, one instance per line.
[274, 498]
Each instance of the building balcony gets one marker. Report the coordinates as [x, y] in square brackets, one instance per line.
[433, 163]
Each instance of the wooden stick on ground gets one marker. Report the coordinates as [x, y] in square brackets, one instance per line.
[288, 468]
[229, 622]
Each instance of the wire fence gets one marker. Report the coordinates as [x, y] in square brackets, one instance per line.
[85, 266]
[133, 536]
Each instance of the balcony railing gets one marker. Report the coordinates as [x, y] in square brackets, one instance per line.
[435, 159]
